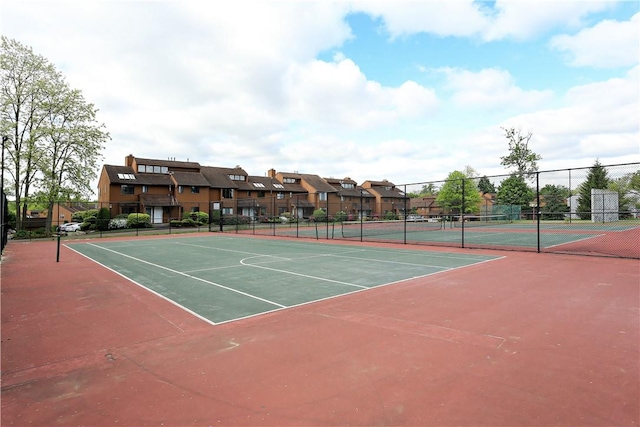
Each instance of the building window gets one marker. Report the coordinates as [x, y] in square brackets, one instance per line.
[280, 196]
[180, 189]
[227, 193]
[153, 169]
[348, 185]
[195, 190]
[227, 211]
[126, 189]
[195, 209]
[261, 194]
[145, 188]
[289, 180]
[322, 196]
[278, 185]
[236, 177]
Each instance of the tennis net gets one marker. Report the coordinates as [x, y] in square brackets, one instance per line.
[481, 220]
[389, 227]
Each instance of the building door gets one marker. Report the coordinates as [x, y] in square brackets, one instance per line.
[155, 212]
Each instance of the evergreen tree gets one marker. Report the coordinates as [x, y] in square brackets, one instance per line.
[486, 186]
[596, 179]
[554, 198]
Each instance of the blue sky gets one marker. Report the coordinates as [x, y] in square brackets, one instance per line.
[401, 90]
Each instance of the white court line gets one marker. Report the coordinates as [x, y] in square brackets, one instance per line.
[574, 241]
[211, 322]
[229, 250]
[190, 276]
[382, 261]
[242, 261]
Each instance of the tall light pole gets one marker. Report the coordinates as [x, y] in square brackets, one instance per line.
[3, 201]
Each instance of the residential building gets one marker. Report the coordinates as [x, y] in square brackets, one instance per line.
[388, 197]
[168, 189]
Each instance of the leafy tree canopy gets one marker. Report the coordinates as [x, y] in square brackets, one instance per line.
[520, 156]
[54, 138]
[515, 191]
[459, 194]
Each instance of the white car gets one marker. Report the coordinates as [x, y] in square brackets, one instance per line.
[70, 226]
[415, 218]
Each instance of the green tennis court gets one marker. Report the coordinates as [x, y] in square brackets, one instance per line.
[221, 278]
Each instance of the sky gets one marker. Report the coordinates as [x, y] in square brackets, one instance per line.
[407, 91]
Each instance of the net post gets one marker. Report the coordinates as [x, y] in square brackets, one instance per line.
[58, 249]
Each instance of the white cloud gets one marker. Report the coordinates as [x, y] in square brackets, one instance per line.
[529, 19]
[596, 118]
[339, 94]
[243, 82]
[491, 88]
[467, 18]
[608, 44]
[447, 18]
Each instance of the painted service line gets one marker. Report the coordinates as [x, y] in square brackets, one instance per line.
[190, 276]
[242, 261]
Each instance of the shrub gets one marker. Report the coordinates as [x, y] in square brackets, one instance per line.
[117, 223]
[319, 215]
[215, 217]
[139, 220]
[102, 219]
[340, 216]
[390, 215]
[188, 222]
[200, 218]
[235, 220]
[22, 234]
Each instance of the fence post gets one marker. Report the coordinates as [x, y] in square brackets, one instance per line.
[538, 207]
[462, 214]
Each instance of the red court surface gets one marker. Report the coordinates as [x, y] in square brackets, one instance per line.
[527, 340]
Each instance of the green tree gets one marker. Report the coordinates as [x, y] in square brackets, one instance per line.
[429, 189]
[628, 189]
[459, 194]
[520, 156]
[597, 178]
[24, 77]
[554, 198]
[515, 191]
[55, 138]
[486, 186]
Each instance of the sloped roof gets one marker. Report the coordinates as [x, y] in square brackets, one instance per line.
[168, 163]
[319, 184]
[384, 188]
[191, 179]
[115, 174]
[219, 177]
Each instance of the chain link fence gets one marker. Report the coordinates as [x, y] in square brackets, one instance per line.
[589, 211]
